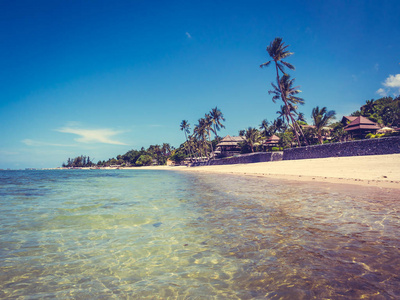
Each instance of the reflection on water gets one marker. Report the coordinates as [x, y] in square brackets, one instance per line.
[153, 234]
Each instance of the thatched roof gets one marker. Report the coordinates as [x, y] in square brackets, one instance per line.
[272, 140]
[231, 141]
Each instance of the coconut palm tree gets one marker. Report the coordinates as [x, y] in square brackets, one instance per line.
[266, 128]
[208, 124]
[252, 137]
[289, 92]
[277, 50]
[185, 127]
[200, 131]
[321, 117]
[368, 107]
[216, 118]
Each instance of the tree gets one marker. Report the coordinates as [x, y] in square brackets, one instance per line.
[289, 110]
[321, 117]
[252, 137]
[277, 50]
[200, 131]
[144, 160]
[209, 129]
[216, 118]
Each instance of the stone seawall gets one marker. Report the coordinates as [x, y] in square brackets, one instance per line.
[389, 145]
[246, 158]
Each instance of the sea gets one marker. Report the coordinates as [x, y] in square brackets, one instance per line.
[159, 234]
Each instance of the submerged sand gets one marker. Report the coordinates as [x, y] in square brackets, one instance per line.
[375, 170]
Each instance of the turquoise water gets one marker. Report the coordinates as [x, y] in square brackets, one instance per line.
[141, 234]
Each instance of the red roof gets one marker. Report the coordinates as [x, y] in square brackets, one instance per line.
[361, 123]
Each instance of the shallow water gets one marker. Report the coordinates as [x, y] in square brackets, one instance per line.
[157, 234]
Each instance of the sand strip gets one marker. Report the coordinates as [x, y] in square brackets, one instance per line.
[375, 170]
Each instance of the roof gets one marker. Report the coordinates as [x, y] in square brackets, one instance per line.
[348, 118]
[361, 123]
[231, 140]
[272, 140]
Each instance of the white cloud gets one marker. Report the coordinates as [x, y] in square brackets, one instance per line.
[188, 35]
[392, 84]
[392, 81]
[382, 92]
[93, 135]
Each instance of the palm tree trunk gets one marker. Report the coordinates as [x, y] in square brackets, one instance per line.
[286, 105]
[212, 150]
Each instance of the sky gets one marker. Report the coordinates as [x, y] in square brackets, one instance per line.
[100, 78]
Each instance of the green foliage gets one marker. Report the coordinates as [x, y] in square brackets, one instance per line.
[178, 157]
[78, 162]
[276, 149]
[286, 139]
[144, 160]
[385, 111]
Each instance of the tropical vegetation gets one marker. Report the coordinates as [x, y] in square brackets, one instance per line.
[290, 125]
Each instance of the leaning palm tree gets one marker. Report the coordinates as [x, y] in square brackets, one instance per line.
[277, 50]
[321, 118]
[216, 118]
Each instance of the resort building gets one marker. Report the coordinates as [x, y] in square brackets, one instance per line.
[229, 146]
[272, 141]
[361, 126]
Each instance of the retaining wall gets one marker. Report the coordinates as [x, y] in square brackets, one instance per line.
[389, 145]
[246, 158]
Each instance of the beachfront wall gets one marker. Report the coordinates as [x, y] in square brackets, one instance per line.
[248, 158]
[389, 145]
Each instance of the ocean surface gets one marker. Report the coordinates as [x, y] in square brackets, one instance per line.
[144, 234]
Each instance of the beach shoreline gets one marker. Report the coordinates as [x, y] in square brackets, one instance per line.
[375, 170]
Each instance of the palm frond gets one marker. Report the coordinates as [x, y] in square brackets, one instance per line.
[265, 64]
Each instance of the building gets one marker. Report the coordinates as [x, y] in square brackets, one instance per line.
[361, 126]
[229, 146]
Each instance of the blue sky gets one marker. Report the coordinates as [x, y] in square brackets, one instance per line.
[100, 78]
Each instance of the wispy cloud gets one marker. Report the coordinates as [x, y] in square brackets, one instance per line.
[188, 35]
[30, 142]
[93, 135]
[391, 84]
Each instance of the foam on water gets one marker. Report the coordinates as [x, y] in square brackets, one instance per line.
[158, 234]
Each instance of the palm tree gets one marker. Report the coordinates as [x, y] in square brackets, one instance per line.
[216, 118]
[285, 89]
[208, 124]
[265, 128]
[252, 137]
[368, 107]
[277, 50]
[200, 131]
[321, 119]
[185, 127]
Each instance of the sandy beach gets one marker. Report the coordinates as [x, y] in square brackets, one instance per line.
[375, 170]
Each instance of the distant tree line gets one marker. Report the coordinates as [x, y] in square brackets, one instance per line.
[78, 162]
[154, 155]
